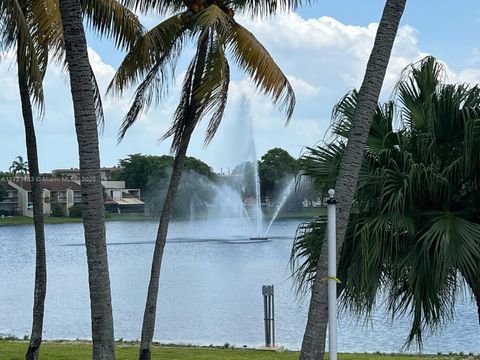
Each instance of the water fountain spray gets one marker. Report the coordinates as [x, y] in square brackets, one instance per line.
[283, 199]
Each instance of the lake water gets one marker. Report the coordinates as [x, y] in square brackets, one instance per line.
[210, 290]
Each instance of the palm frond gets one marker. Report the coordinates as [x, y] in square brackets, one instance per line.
[16, 25]
[112, 19]
[161, 7]
[321, 164]
[98, 102]
[160, 45]
[189, 109]
[215, 83]
[153, 59]
[253, 8]
[254, 59]
[267, 7]
[213, 26]
[306, 249]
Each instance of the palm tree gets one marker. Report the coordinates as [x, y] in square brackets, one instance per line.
[19, 166]
[34, 28]
[42, 19]
[92, 194]
[415, 228]
[31, 59]
[313, 345]
[211, 25]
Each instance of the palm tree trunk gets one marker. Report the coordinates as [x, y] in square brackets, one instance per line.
[37, 200]
[92, 194]
[477, 300]
[313, 346]
[148, 326]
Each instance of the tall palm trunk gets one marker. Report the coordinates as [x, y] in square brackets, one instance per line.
[192, 109]
[148, 326]
[37, 200]
[313, 346]
[477, 300]
[92, 196]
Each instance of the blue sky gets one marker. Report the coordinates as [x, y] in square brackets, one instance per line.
[323, 49]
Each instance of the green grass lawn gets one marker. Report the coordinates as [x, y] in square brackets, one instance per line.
[24, 220]
[14, 350]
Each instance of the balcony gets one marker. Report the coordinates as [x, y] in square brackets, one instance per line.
[10, 200]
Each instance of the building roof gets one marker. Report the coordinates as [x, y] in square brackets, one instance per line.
[124, 201]
[52, 184]
[126, 195]
[77, 170]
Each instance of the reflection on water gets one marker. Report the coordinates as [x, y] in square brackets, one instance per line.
[210, 291]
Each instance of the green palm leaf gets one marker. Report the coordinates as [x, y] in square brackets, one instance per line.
[17, 22]
[251, 56]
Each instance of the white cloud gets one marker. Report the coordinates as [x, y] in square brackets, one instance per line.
[322, 57]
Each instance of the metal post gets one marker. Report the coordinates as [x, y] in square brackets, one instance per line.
[265, 312]
[273, 317]
[267, 292]
[332, 275]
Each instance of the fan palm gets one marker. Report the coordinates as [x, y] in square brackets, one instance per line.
[414, 230]
[313, 345]
[213, 28]
[34, 28]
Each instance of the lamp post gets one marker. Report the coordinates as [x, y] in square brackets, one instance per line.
[332, 275]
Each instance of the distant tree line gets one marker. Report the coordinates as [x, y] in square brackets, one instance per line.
[151, 174]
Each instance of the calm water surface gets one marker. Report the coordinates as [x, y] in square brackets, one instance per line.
[210, 290]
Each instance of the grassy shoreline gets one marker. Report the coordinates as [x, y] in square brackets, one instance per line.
[24, 220]
[80, 350]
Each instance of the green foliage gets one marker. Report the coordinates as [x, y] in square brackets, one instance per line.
[213, 29]
[414, 231]
[276, 167]
[5, 175]
[143, 171]
[75, 211]
[198, 167]
[138, 170]
[151, 175]
[57, 210]
[3, 193]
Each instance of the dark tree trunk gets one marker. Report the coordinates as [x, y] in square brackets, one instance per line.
[92, 194]
[148, 326]
[191, 115]
[37, 200]
[313, 346]
[477, 300]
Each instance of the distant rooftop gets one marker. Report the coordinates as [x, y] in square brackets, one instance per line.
[76, 170]
[53, 185]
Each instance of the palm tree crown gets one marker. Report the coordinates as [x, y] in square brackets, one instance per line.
[211, 24]
[414, 230]
[19, 166]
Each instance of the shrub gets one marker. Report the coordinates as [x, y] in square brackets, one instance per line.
[57, 211]
[75, 211]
